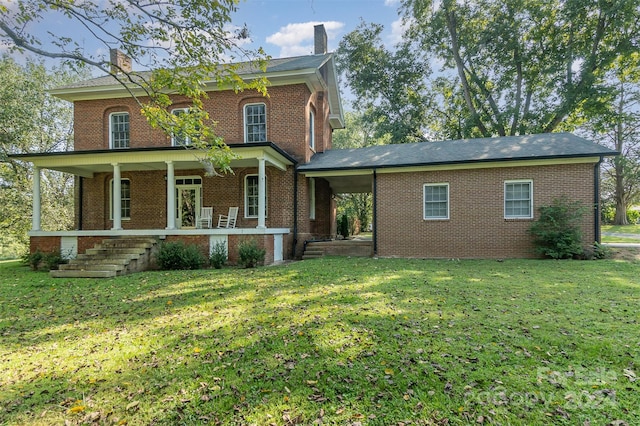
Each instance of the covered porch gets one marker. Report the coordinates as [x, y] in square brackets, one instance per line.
[171, 188]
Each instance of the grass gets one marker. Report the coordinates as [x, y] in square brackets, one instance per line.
[621, 229]
[329, 341]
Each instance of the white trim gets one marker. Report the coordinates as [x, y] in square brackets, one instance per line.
[111, 129]
[246, 199]
[504, 198]
[424, 201]
[312, 130]
[187, 140]
[245, 124]
[111, 199]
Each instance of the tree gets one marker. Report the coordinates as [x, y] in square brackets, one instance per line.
[618, 127]
[524, 66]
[389, 87]
[182, 42]
[32, 121]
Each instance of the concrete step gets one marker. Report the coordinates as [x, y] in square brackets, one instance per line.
[100, 261]
[114, 250]
[81, 274]
[93, 267]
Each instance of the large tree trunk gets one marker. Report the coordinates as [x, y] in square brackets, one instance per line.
[621, 202]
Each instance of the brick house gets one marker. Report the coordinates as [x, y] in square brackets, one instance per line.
[448, 199]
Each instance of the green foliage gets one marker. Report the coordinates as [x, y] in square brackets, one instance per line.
[633, 216]
[218, 256]
[343, 225]
[250, 255]
[557, 231]
[177, 255]
[183, 43]
[45, 261]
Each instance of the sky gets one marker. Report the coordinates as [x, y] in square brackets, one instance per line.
[285, 27]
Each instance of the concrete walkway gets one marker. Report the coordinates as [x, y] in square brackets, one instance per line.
[622, 245]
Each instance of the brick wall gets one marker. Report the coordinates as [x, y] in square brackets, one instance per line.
[44, 244]
[476, 227]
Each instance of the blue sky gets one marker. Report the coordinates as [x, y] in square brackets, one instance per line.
[285, 27]
[281, 27]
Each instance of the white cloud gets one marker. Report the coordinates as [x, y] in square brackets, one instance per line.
[297, 39]
[398, 28]
[391, 2]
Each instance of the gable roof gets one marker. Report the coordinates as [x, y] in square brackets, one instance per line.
[509, 148]
[316, 71]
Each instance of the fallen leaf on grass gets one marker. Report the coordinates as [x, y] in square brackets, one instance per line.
[630, 374]
[77, 409]
[132, 405]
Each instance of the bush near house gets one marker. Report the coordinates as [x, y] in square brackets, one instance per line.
[250, 255]
[177, 255]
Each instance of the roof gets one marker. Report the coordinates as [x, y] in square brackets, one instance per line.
[509, 148]
[280, 71]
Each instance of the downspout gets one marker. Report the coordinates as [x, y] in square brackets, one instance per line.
[375, 214]
[295, 210]
[596, 200]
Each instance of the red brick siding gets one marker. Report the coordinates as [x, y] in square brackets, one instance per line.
[200, 241]
[44, 244]
[263, 241]
[476, 228]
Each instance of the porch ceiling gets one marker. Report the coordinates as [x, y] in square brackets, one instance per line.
[87, 163]
[347, 183]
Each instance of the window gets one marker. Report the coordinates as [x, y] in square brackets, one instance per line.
[125, 199]
[436, 201]
[119, 130]
[179, 139]
[518, 199]
[312, 132]
[312, 198]
[251, 196]
[255, 123]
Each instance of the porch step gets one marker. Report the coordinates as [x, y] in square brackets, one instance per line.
[353, 248]
[110, 258]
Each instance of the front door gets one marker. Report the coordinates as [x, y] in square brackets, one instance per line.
[188, 203]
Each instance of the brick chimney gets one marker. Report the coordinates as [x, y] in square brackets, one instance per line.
[319, 39]
[120, 62]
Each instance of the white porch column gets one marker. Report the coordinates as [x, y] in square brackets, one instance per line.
[117, 198]
[171, 196]
[37, 207]
[262, 192]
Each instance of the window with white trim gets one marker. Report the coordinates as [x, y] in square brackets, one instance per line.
[518, 199]
[312, 131]
[125, 199]
[436, 201]
[312, 198]
[251, 196]
[178, 139]
[255, 123]
[119, 130]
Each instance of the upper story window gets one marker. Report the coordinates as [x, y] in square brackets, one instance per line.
[255, 123]
[518, 199]
[312, 131]
[119, 130]
[178, 139]
[436, 201]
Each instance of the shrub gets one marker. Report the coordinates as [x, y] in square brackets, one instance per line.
[633, 216]
[43, 260]
[343, 225]
[250, 254]
[557, 231]
[177, 255]
[218, 255]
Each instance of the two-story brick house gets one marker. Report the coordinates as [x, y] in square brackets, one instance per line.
[467, 198]
[164, 186]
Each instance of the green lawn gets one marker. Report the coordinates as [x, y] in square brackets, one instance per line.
[618, 229]
[330, 341]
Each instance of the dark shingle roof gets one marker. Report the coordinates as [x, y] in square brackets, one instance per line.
[509, 148]
[278, 65]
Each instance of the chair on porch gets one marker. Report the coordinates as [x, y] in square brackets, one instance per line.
[228, 220]
[206, 217]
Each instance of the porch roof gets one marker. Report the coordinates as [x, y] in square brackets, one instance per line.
[87, 163]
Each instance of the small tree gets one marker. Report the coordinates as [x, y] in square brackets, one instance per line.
[557, 231]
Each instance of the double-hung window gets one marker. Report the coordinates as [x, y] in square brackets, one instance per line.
[125, 199]
[436, 201]
[518, 199]
[312, 131]
[255, 123]
[178, 138]
[119, 130]
[251, 196]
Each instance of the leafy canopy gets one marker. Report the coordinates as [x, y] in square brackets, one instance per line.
[183, 42]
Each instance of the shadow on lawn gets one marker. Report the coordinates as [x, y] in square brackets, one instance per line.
[296, 344]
